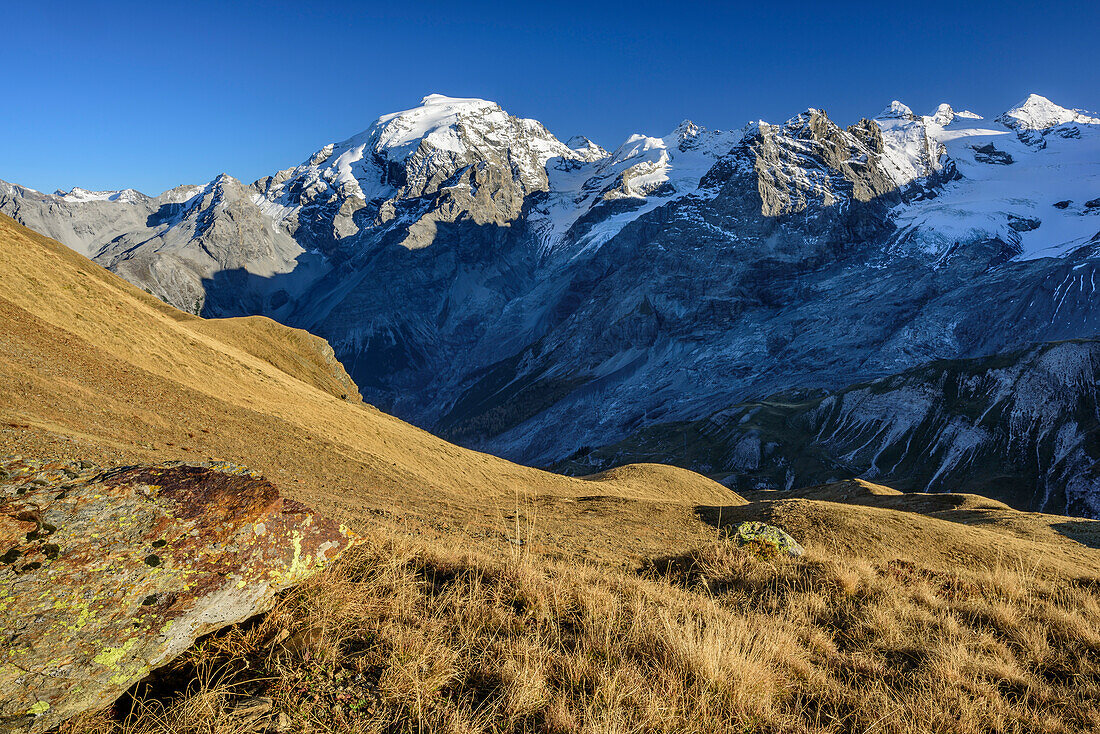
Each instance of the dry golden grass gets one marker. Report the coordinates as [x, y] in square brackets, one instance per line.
[401, 637]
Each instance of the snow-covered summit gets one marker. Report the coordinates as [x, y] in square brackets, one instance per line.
[1021, 182]
[638, 176]
[895, 111]
[588, 150]
[945, 115]
[460, 126]
[1039, 113]
[78, 195]
[434, 122]
[419, 152]
[909, 152]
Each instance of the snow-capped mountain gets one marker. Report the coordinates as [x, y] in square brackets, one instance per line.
[1039, 113]
[414, 169]
[487, 281]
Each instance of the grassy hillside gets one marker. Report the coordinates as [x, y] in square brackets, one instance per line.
[92, 367]
[893, 621]
[492, 597]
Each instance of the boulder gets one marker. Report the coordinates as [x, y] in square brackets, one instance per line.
[107, 575]
[767, 537]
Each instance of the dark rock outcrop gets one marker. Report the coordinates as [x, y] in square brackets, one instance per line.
[989, 154]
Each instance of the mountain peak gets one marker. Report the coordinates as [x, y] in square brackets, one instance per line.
[442, 99]
[588, 150]
[1039, 113]
[896, 111]
[943, 115]
[686, 129]
[434, 121]
[79, 195]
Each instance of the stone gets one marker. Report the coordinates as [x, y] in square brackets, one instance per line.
[253, 713]
[759, 534]
[253, 706]
[109, 575]
[1093, 203]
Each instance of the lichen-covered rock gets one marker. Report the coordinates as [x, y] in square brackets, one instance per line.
[768, 536]
[107, 575]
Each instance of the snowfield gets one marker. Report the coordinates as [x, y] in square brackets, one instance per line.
[1033, 195]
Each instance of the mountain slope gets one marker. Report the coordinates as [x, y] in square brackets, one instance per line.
[492, 597]
[1019, 427]
[94, 367]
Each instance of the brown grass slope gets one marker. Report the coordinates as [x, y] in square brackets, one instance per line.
[468, 610]
[293, 351]
[90, 364]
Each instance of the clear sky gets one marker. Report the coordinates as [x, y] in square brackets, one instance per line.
[148, 95]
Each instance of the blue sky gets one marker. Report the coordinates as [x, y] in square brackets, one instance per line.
[108, 95]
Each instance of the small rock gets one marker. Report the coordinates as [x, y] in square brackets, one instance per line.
[1023, 224]
[1064, 204]
[1093, 204]
[769, 536]
[253, 707]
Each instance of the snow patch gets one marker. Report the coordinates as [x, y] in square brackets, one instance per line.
[78, 196]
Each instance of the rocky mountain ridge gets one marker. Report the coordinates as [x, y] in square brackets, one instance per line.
[486, 281]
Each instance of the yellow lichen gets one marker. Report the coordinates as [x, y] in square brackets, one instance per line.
[127, 675]
[82, 620]
[296, 539]
[109, 658]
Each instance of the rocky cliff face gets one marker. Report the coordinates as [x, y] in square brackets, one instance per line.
[479, 277]
[1020, 427]
[204, 249]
